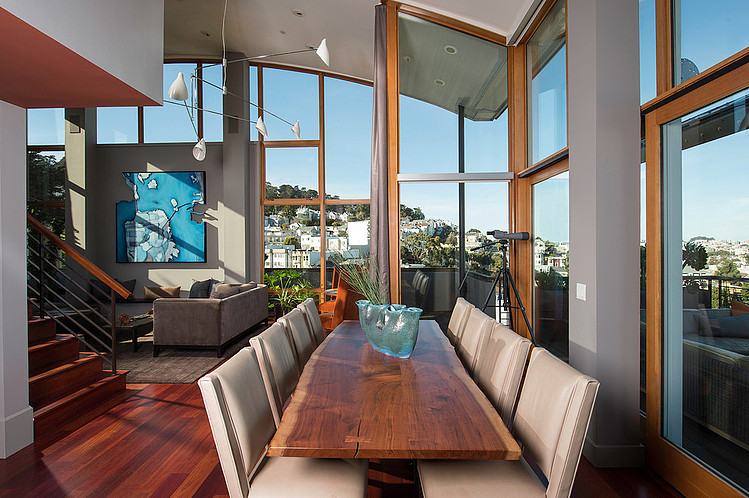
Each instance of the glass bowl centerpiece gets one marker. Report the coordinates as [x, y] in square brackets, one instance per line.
[391, 329]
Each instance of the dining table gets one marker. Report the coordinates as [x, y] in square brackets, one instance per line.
[352, 401]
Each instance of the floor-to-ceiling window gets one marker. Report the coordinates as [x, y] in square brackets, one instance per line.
[452, 167]
[316, 196]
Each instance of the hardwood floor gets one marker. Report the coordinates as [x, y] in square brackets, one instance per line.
[158, 443]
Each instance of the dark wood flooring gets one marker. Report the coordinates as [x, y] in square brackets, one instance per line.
[158, 443]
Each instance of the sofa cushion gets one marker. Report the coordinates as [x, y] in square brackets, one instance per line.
[157, 292]
[247, 286]
[731, 326]
[224, 290]
[201, 288]
[739, 308]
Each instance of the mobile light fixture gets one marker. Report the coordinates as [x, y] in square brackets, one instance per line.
[179, 93]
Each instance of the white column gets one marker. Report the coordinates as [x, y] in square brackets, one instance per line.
[604, 144]
[16, 416]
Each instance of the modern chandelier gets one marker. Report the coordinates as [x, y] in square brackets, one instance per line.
[180, 94]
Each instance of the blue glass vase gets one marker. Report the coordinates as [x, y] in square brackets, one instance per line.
[391, 329]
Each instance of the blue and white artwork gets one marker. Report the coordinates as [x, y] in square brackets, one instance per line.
[157, 225]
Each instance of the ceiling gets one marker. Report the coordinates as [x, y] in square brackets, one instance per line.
[192, 28]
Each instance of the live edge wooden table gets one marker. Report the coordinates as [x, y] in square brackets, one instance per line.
[354, 402]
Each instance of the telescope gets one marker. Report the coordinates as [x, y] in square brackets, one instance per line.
[500, 234]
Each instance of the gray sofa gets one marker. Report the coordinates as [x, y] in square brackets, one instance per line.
[208, 323]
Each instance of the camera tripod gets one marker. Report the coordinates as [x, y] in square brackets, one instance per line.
[505, 281]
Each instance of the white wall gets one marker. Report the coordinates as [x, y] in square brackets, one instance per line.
[604, 145]
[16, 416]
[124, 38]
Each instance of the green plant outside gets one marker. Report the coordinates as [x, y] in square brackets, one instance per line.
[291, 289]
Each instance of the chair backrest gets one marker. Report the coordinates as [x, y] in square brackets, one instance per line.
[312, 316]
[345, 304]
[278, 367]
[458, 320]
[471, 342]
[501, 368]
[240, 417]
[299, 333]
[552, 418]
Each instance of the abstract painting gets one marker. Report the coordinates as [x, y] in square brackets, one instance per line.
[158, 224]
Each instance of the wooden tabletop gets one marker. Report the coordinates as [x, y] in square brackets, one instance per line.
[354, 402]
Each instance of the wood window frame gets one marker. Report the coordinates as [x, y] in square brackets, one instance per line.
[320, 202]
[685, 473]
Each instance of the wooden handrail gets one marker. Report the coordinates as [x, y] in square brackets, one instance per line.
[78, 257]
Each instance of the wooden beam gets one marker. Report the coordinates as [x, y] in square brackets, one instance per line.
[393, 117]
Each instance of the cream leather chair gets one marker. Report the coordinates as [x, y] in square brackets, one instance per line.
[278, 367]
[469, 349]
[458, 320]
[312, 316]
[501, 368]
[550, 424]
[300, 335]
[242, 426]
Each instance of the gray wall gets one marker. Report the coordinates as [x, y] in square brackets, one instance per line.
[110, 162]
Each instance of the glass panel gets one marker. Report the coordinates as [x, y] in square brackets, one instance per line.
[292, 240]
[213, 100]
[348, 139]
[486, 209]
[487, 144]
[643, 281]
[551, 207]
[429, 248]
[117, 125]
[648, 88]
[705, 248]
[45, 126]
[441, 72]
[291, 173]
[254, 99]
[46, 201]
[547, 93]
[170, 123]
[292, 96]
[346, 235]
[706, 33]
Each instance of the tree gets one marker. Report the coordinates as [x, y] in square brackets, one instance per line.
[46, 180]
[292, 241]
[694, 255]
[549, 249]
[728, 268]
[288, 212]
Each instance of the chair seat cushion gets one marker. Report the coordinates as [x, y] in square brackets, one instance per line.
[480, 478]
[310, 477]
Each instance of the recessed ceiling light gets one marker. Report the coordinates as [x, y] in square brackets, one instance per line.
[406, 58]
[439, 82]
[207, 34]
[451, 50]
[297, 12]
[283, 32]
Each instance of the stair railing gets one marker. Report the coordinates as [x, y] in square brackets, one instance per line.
[55, 291]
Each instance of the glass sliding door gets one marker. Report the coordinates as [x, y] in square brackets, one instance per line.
[550, 239]
[705, 262]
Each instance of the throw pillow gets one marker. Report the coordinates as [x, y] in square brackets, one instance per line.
[247, 286]
[739, 308]
[730, 326]
[215, 284]
[201, 288]
[158, 292]
[224, 290]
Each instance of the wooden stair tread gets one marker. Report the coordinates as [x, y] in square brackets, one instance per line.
[51, 343]
[53, 353]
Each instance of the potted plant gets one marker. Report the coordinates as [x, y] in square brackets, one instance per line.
[391, 329]
[288, 288]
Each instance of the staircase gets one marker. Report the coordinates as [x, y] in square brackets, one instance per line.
[67, 388]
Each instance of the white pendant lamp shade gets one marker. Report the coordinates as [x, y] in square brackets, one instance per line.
[198, 152]
[295, 129]
[178, 89]
[322, 52]
[261, 127]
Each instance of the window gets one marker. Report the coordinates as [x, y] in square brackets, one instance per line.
[170, 123]
[547, 86]
[213, 100]
[45, 126]
[706, 33]
[46, 171]
[648, 89]
[294, 96]
[291, 173]
[117, 125]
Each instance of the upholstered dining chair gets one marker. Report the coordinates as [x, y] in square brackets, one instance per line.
[242, 425]
[469, 349]
[458, 320]
[501, 368]
[550, 424]
[312, 316]
[300, 335]
[278, 366]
